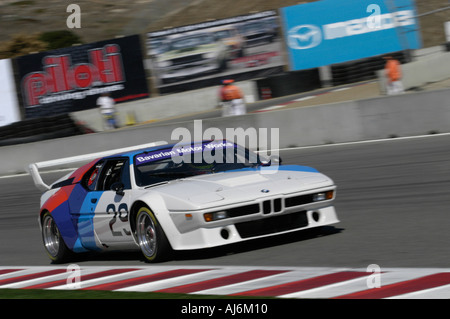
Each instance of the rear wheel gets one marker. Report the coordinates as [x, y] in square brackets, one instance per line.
[150, 236]
[53, 242]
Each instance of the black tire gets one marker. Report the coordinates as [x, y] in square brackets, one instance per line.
[151, 237]
[53, 242]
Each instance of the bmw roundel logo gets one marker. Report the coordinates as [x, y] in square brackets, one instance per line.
[265, 190]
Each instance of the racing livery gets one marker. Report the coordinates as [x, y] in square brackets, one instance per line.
[158, 198]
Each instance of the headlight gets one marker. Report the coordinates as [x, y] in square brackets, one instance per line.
[323, 196]
[209, 217]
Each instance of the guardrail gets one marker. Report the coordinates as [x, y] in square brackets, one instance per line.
[39, 129]
[362, 70]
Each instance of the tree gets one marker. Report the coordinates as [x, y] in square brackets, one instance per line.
[22, 44]
[59, 39]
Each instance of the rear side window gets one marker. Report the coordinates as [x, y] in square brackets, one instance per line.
[107, 172]
[91, 178]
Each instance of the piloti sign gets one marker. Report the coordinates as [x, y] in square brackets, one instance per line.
[60, 75]
[71, 79]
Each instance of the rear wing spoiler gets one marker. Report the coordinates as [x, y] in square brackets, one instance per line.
[41, 185]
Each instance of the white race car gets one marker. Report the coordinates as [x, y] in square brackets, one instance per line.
[191, 56]
[159, 198]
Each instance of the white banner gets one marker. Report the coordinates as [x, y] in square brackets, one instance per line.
[9, 108]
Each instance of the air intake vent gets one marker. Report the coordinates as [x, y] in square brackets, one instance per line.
[277, 205]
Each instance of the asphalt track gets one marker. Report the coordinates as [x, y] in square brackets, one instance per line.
[393, 202]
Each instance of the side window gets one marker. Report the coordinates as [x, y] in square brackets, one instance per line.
[114, 170]
[90, 179]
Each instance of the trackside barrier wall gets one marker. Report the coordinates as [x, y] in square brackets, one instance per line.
[164, 106]
[426, 69]
[402, 115]
[418, 73]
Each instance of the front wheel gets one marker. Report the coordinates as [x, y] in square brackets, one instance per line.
[150, 236]
[53, 242]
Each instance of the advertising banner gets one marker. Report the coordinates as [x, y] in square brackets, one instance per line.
[71, 79]
[334, 31]
[240, 47]
[9, 108]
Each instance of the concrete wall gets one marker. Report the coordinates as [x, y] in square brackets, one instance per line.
[165, 106]
[428, 69]
[432, 64]
[401, 115]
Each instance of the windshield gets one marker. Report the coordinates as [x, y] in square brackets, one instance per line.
[190, 160]
[191, 42]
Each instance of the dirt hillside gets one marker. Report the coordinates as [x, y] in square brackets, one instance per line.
[105, 19]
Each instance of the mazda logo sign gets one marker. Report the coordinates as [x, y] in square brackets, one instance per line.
[305, 36]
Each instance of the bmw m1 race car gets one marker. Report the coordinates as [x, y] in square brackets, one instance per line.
[190, 56]
[158, 198]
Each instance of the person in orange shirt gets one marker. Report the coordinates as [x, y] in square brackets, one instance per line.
[393, 75]
[231, 98]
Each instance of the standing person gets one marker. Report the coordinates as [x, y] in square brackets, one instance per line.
[232, 99]
[107, 108]
[393, 73]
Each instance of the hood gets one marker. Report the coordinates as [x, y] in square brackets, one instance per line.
[236, 186]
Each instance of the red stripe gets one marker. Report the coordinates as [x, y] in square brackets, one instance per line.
[85, 277]
[31, 276]
[145, 279]
[7, 271]
[223, 281]
[130, 97]
[400, 288]
[304, 284]
[79, 173]
[58, 198]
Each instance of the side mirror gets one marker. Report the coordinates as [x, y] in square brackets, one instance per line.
[118, 187]
[272, 160]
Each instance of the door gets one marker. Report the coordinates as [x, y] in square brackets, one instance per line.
[107, 203]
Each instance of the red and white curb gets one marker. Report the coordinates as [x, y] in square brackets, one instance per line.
[283, 282]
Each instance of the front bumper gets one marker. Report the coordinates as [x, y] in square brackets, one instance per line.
[272, 218]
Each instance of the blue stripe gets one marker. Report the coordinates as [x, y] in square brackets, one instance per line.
[294, 168]
[86, 220]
